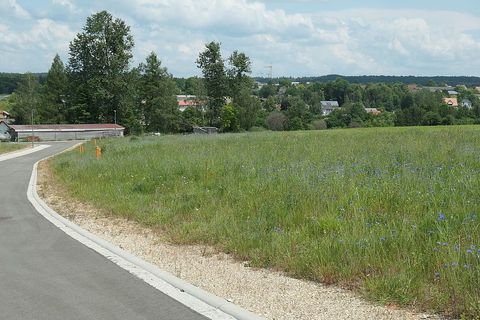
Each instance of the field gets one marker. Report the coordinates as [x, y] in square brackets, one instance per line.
[391, 213]
[9, 147]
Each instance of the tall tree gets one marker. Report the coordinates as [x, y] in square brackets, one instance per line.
[27, 99]
[157, 90]
[240, 68]
[213, 69]
[54, 93]
[241, 85]
[98, 68]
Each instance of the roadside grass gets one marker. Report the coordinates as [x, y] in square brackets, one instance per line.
[392, 213]
[9, 147]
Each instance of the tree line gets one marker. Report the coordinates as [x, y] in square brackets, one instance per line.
[98, 85]
[298, 106]
[433, 81]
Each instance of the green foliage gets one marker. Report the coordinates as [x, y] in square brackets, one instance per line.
[385, 119]
[26, 100]
[158, 103]
[319, 124]
[9, 147]
[267, 91]
[213, 69]
[196, 86]
[54, 94]
[248, 107]
[270, 104]
[6, 102]
[392, 212]
[276, 121]
[192, 117]
[230, 118]
[8, 82]
[297, 112]
[98, 69]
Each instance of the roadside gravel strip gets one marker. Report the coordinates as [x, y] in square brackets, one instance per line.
[265, 292]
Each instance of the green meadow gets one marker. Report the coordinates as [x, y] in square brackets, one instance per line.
[392, 213]
[9, 147]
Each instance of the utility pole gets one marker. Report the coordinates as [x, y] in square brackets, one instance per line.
[115, 120]
[33, 135]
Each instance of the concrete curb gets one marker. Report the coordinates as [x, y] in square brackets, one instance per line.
[222, 308]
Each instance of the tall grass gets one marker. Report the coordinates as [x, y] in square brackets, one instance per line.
[392, 213]
[9, 147]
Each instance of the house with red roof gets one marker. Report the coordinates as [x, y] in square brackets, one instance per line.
[189, 101]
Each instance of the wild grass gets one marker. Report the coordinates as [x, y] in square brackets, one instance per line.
[391, 212]
[9, 147]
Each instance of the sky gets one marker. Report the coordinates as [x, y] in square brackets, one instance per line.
[296, 38]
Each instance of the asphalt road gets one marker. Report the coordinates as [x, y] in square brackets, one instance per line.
[45, 274]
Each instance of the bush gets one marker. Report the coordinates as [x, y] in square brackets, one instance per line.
[276, 121]
[318, 124]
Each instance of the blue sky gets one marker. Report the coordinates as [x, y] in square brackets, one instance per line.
[297, 38]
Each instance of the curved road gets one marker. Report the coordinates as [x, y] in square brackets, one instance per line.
[45, 274]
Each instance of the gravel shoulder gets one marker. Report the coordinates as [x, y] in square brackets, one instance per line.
[267, 293]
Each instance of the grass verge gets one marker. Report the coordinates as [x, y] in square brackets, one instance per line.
[392, 213]
[9, 147]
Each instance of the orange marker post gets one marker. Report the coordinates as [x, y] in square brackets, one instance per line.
[98, 152]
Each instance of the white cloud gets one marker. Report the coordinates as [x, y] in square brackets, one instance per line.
[407, 41]
[11, 6]
[34, 49]
[356, 41]
[69, 4]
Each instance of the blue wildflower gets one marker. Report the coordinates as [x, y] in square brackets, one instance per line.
[441, 217]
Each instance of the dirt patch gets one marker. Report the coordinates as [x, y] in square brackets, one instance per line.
[264, 292]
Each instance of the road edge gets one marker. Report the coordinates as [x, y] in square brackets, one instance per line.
[193, 297]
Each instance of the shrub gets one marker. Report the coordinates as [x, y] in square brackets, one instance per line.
[318, 124]
[276, 121]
